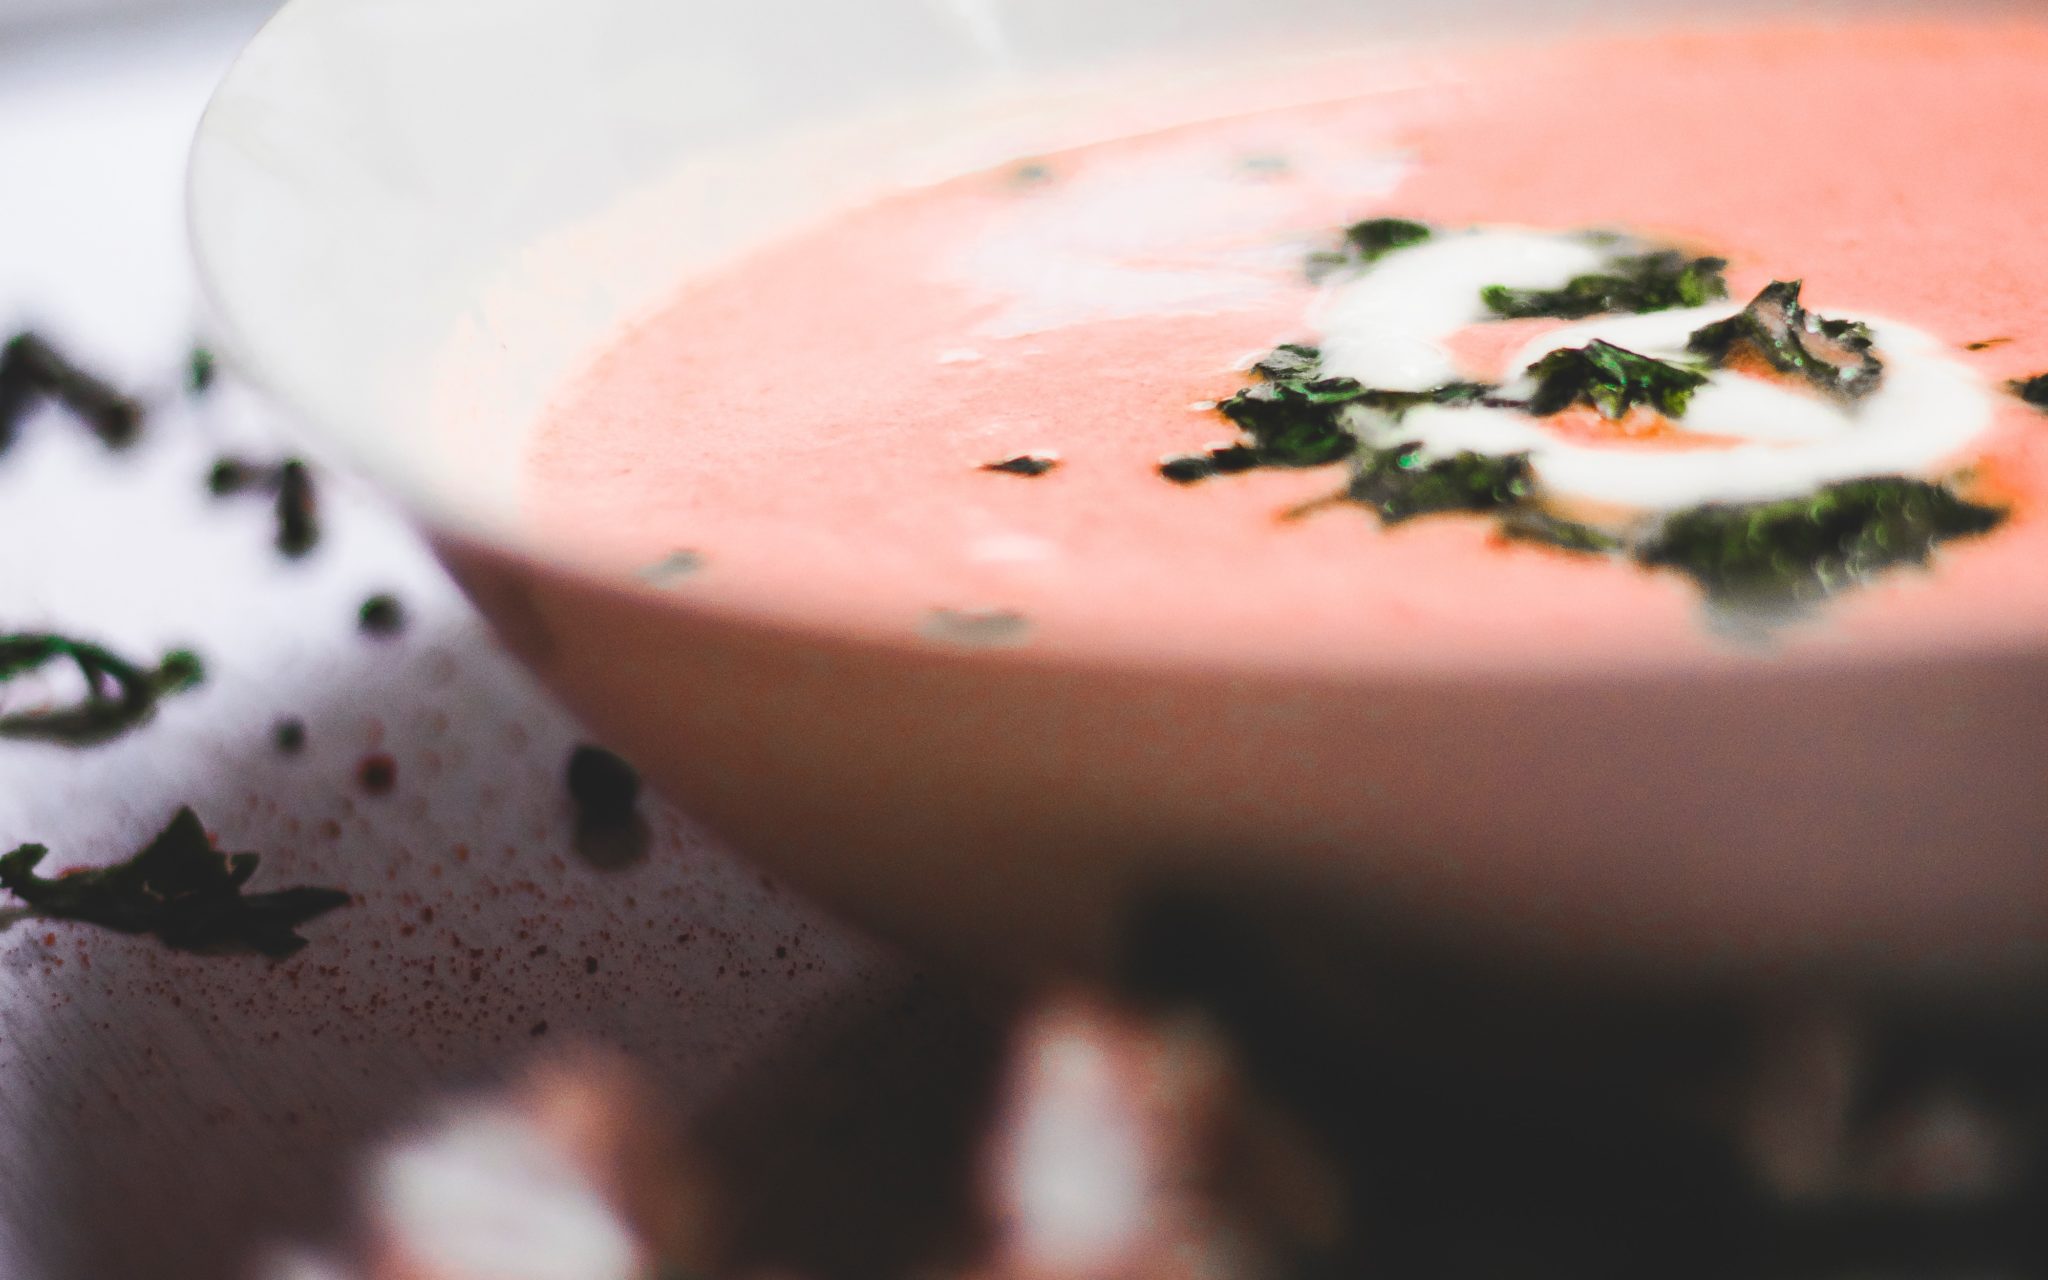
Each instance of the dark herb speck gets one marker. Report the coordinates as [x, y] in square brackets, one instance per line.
[1401, 484]
[179, 889]
[1024, 464]
[2033, 390]
[298, 526]
[381, 615]
[1538, 527]
[35, 366]
[289, 737]
[377, 774]
[202, 370]
[603, 787]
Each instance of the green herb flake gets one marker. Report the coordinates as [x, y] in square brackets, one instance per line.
[1802, 549]
[178, 889]
[1401, 483]
[2033, 390]
[1662, 280]
[1612, 379]
[1837, 356]
[119, 695]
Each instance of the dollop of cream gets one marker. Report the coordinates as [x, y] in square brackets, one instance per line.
[1390, 326]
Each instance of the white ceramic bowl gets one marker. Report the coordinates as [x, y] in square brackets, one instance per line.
[386, 199]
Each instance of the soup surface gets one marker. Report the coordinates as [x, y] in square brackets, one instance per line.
[1693, 346]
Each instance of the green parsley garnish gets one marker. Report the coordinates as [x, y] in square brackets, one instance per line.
[1657, 281]
[1801, 549]
[202, 370]
[179, 889]
[119, 695]
[1612, 379]
[1836, 356]
[1024, 464]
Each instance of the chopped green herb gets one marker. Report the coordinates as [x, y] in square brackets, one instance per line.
[1366, 243]
[1535, 525]
[1024, 464]
[1801, 549]
[202, 370]
[1836, 356]
[1032, 173]
[1402, 483]
[1987, 344]
[119, 696]
[179, 889]
[17, 393]
[1612, 379]
[1187, 468]
[1658, 281]
[231, 476]
[289, 737]
[34, 366]
[2033, 390]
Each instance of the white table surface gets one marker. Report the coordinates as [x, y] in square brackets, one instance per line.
[161, 1114]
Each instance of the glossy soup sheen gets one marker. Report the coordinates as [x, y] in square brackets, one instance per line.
[810, 424]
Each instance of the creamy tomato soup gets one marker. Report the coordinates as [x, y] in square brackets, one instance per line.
[1575, 349]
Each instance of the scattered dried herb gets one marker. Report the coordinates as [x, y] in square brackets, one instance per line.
[1661, 280]
[290, 486]
[1024, 464]
[298, 525]
[2033, 390]
[35, 366]
[180, 890]
[202, 370]
[289, 736]
[1803, 549]
[1837, 356]
[119, 695]
[1987, 344]
[381, 615]
[603, 787]
[1613, 380]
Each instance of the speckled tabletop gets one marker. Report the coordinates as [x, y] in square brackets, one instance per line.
[164, 1114]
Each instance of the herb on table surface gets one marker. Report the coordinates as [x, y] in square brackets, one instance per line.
[118, 697]
[31, 366]
[1365, 243]
[1024, 464]
[1661, 280]
[2033, 390]
[179, 889]
[1613, 380]
[1837, 356]
[1800, 549]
